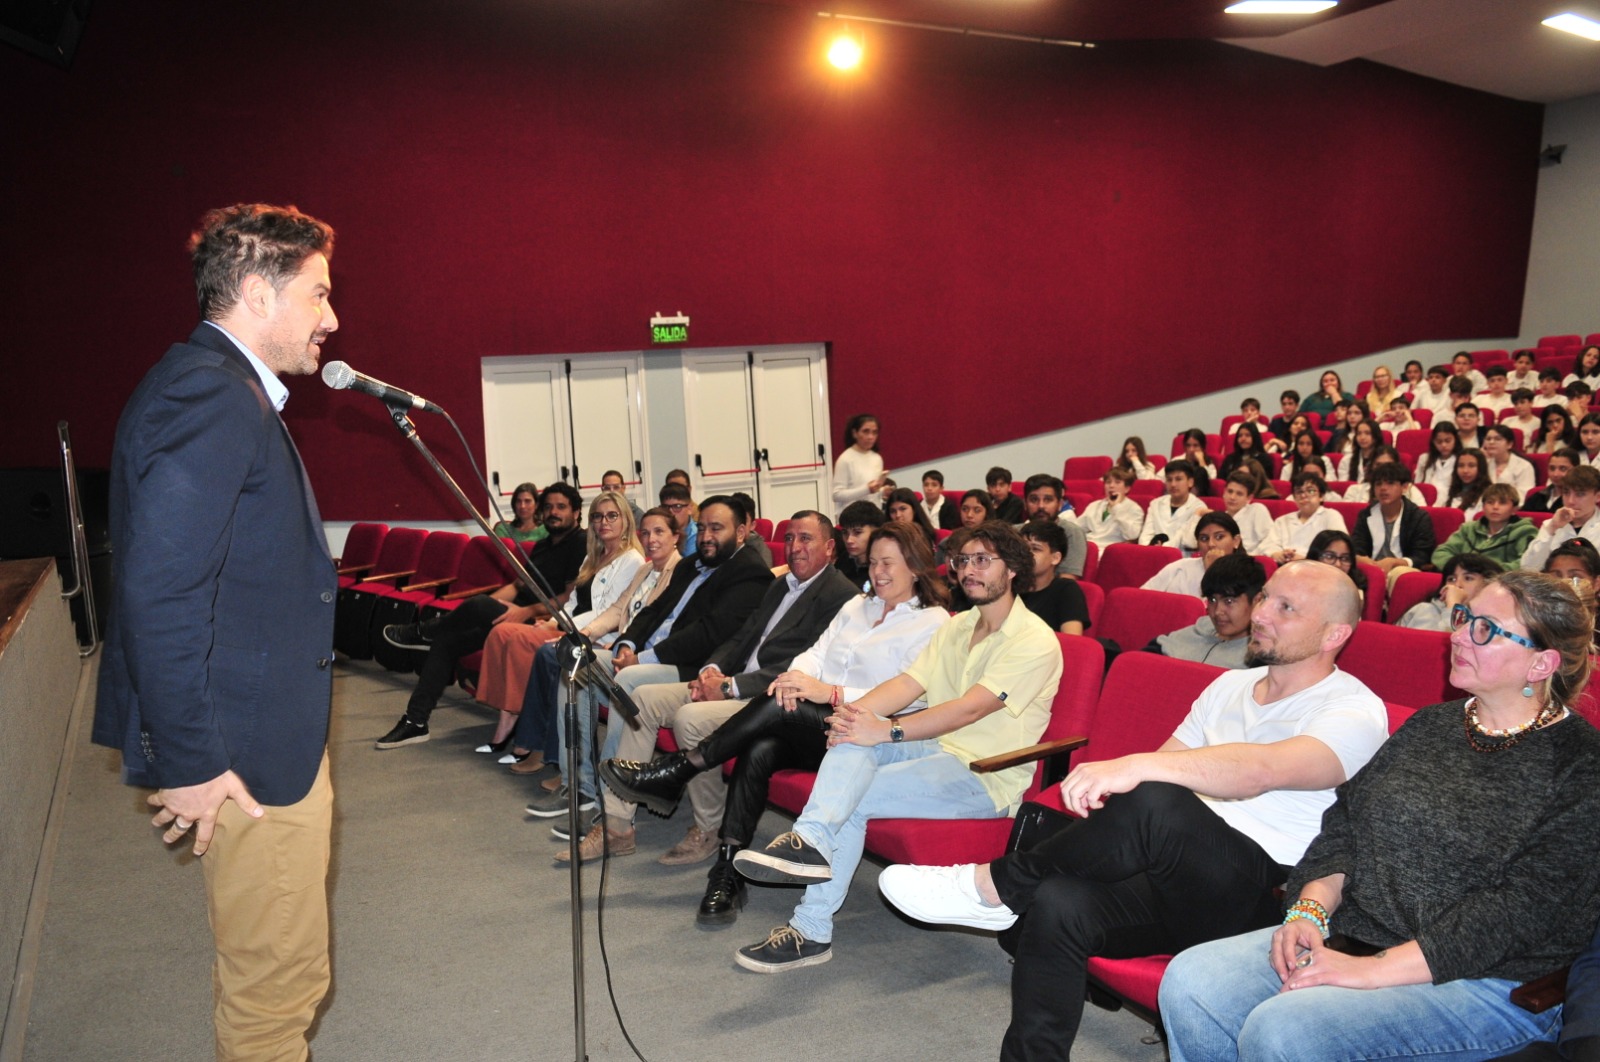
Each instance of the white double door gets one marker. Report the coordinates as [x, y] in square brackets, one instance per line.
[751, 419]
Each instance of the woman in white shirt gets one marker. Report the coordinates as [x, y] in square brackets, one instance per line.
[1135, 460]
[1365, 439]
[858, 473]
[1217, 535]
[1307, 456]
[1439, 463]
[1414, 382]
[1499, 446]
[615, 556]
[1292, 534]
[1587, 368]
[1194, 451]
[1467, 483]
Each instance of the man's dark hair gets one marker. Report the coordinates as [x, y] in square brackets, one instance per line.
[1236, 575]
[1550, 374]
[1467, 405]
[935, 475]
[1495, 370]
[1521, 394]
[1291, 393]
[1459, 385]
[747, 506]
[1044, 479]
[1475, 563]
[1180, 464]
[1009, 547]
[567, 491]
[677, 474]
[1573, 457]
[863, 514]
[612, 472]
[673, 492]
[1250, 403]
[234, 242]
[1217, 519]
[1052, 534]
[726, 500]
[812, 514]
[1577, 389]
[1389, 472]
[1302, 478]
[996, 475]
[1438, 370]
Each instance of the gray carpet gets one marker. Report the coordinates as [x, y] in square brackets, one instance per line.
[452, 933]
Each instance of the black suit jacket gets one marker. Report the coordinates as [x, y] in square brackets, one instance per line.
[949, 514]
[219, 640]
[721, 605]
[796, 632]
[1413, 537]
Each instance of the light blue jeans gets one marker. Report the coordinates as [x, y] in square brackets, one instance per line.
[1221, 1001]
[911, 780]
[589, 698]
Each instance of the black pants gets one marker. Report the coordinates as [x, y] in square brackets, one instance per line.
[1153, 872]
[1577, 1049]
[454, 635]
[767, 739]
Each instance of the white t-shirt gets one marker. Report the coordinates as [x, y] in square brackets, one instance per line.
[1178, 577]
[1339, 711]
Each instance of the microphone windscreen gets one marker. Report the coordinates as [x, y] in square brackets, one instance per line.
[337, 375]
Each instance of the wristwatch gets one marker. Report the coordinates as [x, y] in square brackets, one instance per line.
[727, 687]
[897, 733]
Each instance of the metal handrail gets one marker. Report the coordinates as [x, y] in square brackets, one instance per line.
[80, 546]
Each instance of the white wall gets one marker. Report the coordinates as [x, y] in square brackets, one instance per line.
[1564, 261]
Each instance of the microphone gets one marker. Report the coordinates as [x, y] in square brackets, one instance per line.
[339, 376]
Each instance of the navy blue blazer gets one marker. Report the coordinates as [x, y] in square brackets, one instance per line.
[219, 640]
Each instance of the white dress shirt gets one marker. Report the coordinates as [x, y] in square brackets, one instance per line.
[1291, 532]
[1179, 577]
[857, 652]
[1162, 519]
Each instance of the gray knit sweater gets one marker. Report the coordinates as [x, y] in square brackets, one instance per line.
[1490, 861]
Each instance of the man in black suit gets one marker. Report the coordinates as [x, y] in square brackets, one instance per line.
[707, 601]
[216, 680]
[794, 613]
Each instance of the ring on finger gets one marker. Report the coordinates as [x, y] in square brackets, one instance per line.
[181, 825]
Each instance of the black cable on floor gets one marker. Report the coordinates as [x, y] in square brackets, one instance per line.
[605, 876]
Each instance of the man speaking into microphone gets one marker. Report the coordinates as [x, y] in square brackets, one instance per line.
[216, 678]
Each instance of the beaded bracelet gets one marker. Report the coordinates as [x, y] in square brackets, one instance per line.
[836, 697]
[1311, 911]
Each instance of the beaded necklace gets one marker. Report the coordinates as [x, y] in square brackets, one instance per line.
[1550, 713]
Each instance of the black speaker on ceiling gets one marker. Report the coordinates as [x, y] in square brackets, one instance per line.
[48, 29]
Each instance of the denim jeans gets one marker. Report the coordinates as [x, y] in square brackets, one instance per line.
[911, 780]
[589, 698]
[1221, 1001]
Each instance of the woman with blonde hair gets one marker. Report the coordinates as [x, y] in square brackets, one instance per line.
[1382, 392]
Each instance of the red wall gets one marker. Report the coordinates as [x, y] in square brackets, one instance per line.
[976, 226]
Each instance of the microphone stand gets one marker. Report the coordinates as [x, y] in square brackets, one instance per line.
[577, 653]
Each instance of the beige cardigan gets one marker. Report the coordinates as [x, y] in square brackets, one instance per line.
[616, 617]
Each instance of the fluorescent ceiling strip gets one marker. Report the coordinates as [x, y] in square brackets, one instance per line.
[1279, 7]
[1583, 27]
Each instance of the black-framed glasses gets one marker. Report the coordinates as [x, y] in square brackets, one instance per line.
[1482, 629]
[979, 562]
[1343, 560]
[605, 518]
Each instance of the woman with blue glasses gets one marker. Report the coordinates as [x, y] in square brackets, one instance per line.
[1458, 863]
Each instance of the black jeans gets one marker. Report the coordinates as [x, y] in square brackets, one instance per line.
[1153, 872]
[453, 635]
[766, 739]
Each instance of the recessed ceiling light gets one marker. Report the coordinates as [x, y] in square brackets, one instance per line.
[1280, 7]
[1583, 27]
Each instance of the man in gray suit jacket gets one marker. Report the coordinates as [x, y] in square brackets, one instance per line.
[792, 615]
[216, 679]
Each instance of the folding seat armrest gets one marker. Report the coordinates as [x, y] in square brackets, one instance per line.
[431, 583]
[1031, 754]
[1542, 993]
[354, 568]
[388, 575]
[459, 594]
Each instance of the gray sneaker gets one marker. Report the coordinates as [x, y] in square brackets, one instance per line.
[551, 805]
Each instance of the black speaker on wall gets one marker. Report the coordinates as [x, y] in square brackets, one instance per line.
[35, 522]
[48, 29]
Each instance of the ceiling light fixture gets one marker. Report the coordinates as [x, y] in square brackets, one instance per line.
[845, 52]
[1280, 7]
[965, 31]
[1583, 27]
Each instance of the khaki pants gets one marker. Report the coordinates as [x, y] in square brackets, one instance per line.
[668, 704]
[267, 899]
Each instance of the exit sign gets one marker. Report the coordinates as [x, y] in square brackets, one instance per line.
[669, 329]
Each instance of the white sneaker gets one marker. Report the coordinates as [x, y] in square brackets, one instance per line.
[944, 895]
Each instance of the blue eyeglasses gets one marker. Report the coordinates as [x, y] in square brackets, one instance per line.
[1482, 629]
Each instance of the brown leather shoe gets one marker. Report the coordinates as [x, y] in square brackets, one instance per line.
[696, 847]
[621, 843]
[532, 765]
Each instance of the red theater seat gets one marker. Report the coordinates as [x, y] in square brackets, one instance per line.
[1400, 665]
[1132, 617]
[361, 546]
[1085, 468]
[1410, 589]
[1128, 564]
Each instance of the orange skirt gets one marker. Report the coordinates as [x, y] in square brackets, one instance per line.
[508, 663]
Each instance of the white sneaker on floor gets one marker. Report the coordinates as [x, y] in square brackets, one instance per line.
[943, 895]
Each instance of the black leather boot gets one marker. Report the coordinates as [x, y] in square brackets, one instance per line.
[725, 891]
[658, 785]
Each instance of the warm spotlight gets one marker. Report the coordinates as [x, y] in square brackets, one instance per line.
[845, 52]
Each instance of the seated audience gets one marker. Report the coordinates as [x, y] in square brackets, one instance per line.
[977, 507]
[1496, 399]
[1298, 425]
[525, 525]
[614, 556]
[1467, 482]
[1526, 422]
[1439, 463]
[856, 525]
[873, 639]
[1343, 439]
[1436, 884]
[1216, 535]
[1194, 451]
[1167, 516]
[1382, 392]
[1393, 532]
[1557, 432]
[1523, 374]
[1055, 599]
[1576, 563]
[986, 694]
[1334, 548]
[1589, 439]
[1250, 410]
[612, 480]
[1382, 455]
[1579, 397]
[1230, 588]
[1498, 532]
[1467, 421]
[1134, 459]
[554, 562]
[1247, 450]
[1007, 506]
[1365, 439]
[1330, 390]
[1397, 418]
[1547, 499]
[1185, 844]
[1292, 534]
[1579, 491]
[1461, 369]
[1411, 379]
[1043, 495]
[1239, 502]
[674, 498]
[1464, 575]
[903, 508]
[1434, 395]
[1307, 457]
[1502, 463]
[1289, 407]
[1548, 393]
[1586, 370]
[1117, 518]
[942, 512]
